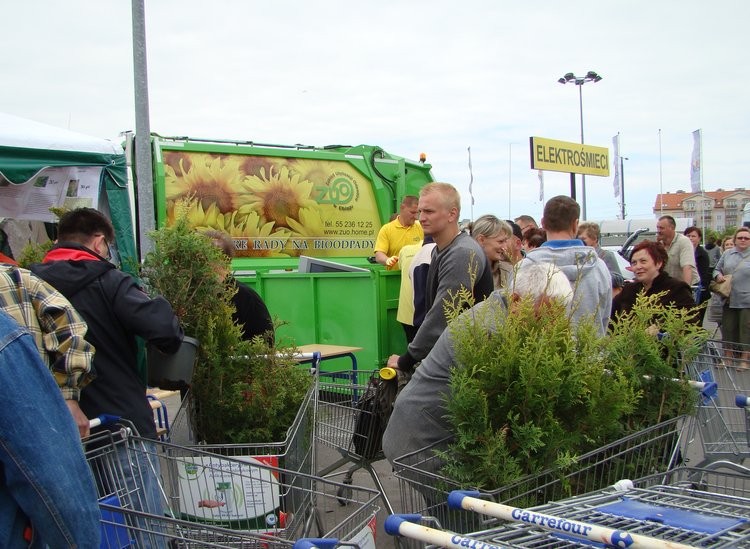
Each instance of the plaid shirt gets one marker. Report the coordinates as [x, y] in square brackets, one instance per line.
[58, 330]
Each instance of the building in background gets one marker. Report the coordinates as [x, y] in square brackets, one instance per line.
[716, 210]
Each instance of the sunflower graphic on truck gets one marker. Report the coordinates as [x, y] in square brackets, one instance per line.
[275, 206]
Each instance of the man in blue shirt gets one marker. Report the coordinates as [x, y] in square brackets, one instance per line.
[587, 273]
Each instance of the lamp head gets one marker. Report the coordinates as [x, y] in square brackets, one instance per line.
[567, 78]
[592, 76]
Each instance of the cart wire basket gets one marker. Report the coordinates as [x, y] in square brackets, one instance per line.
[351, 412]
[158, 494]
[720, 425]
[294, 452]
[424, 490]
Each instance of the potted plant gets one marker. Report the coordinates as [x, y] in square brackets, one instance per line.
[172, 371]
[240, 391]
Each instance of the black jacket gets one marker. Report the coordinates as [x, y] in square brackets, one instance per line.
[702, 263]
[252, 314]
[116, 310]
[678, 294]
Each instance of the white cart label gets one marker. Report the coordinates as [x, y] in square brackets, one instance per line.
[215, 489]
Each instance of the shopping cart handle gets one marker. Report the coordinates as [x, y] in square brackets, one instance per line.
[456, 498]
[103, 419]
[315, 543]
[742, 401]
[393, 522]
[580, 530]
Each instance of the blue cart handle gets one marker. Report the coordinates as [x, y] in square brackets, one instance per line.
[104, 419]
[742, 401]
[315, 543]
[393, 522]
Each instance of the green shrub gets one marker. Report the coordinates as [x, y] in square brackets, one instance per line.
[242, 391]
[656, 360]
[536, 391]
[34, 252]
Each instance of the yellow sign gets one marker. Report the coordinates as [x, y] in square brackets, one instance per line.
[563, 156]
[272, 206]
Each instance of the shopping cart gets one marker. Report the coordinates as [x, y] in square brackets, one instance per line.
[695, 507]
[294, 452]
[424, 490]
[720, 425]
[350, 423]
[201, 499]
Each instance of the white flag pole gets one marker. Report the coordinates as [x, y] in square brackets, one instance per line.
[661, 180]
[471, 183]
[616, 147]
[541, 186]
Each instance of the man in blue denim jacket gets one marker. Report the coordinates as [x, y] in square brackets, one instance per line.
[47, 494]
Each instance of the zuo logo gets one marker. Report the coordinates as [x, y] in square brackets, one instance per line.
[339, 190]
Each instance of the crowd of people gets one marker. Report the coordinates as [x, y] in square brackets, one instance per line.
[71, 323]
[674, 267]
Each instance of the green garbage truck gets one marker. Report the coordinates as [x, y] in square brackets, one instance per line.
[304, 221]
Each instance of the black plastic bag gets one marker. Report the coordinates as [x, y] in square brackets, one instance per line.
[374, 410]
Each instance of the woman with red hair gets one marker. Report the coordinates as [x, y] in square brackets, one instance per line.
[647, 264]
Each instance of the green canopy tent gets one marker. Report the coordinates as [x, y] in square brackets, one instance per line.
[29, 150]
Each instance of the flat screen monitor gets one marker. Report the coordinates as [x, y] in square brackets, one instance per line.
[315, 265]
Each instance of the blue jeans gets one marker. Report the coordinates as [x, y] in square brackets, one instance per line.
[127, 475]
[44, 478]
[143, 474]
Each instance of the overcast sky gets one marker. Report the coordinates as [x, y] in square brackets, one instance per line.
[411, 77]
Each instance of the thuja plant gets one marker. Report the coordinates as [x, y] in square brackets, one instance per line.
[242, 391]
[532, 391]
[183, 267]
[34, 252]
[657, 343]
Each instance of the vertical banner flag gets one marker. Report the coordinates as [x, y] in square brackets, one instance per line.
[471, 177]
[695, 163]
[616, 146]
[541, 186]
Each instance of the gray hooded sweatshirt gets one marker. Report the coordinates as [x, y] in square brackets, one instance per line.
[588, 275]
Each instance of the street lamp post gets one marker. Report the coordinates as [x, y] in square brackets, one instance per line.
[579, 81]
[622, 185]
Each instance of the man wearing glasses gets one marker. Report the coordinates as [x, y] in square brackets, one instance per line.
[681, 263]
[116, 311]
